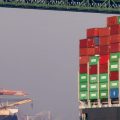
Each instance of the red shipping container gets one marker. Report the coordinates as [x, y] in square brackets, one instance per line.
[115, 47]
[93, 69]
[115, 29]
[104, 50]
[92, 32]
[104, 59]
[97, 50]
[83, 51]
[112, 20]
[104, 31]
[91, 51]
[115, 38]
[84, 43]
[83, 68]
[84, 59]
[105, 40]
[103, 68]
[90, 43]
[114, 75]
[87, 51]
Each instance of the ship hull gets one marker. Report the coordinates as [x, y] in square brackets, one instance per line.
[109, 113]
[8, 117]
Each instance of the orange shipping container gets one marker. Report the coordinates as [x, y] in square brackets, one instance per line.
[104, 31]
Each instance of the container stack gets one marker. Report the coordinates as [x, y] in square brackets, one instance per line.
[99, 59]
[114, 24]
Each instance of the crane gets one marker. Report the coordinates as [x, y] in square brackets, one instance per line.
[10, 109]
[12, 92]
[24, 101]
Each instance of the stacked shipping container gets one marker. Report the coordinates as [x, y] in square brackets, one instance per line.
[114, 23]
[99, 62]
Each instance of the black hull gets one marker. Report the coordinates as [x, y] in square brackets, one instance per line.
[111, 113]
[8, 117]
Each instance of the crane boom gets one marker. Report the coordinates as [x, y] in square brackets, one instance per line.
[17, 103]
[12, 92]
[20, 102]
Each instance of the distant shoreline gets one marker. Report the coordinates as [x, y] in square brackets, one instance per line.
[60, 7]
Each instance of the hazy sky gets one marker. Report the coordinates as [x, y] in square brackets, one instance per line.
[39, 54]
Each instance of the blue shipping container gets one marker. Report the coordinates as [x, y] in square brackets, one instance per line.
[114, 92]
[96, 40]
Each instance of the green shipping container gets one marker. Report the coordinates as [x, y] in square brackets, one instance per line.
[114, 56]
[114, 66]
[93, 60]
[83, 78]
[93, 87]
[104, 86]
[118, 19]
[83, 95]
[93, 95]
[103, 94]
[83, 87]
[114, 84]
[93, 78]
[103, 77]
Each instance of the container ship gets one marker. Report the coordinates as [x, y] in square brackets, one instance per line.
[8, 110]
[99, 72]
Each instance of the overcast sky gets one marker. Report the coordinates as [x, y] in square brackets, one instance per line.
[39, 54]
